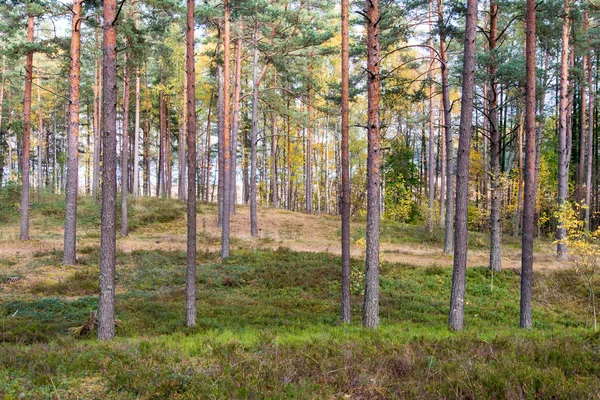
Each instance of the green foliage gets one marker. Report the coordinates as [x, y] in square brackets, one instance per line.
[10, 196]
[401, 176]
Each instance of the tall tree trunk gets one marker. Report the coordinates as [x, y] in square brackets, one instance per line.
[220, 125]
[518, 212]
[443, 163]
[345, 304]
[108, 230]
[274, 197]
[430, 162]
[371, 303]
[24, 223]
[70, 239]
[2, 84]
[125, 150]
[308, 187]
[167, 168]
[97, 126]
[449, 222]
[563, 173]
[253, 218]
[495, 203]
[190, 278]
[226, 137]
[530, 179]
[40, 132]
[146, 155]
[207, 156]
[457, 298]
[588, 178]
[581, 168]
[237, 85]
[181, 139]
[160, 184]
[136, 140]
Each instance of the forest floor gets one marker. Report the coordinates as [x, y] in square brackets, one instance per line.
[268, 316]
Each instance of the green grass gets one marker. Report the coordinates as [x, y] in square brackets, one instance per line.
[268, 328]
[267, 324]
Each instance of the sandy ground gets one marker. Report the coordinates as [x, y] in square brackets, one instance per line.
[277, 228]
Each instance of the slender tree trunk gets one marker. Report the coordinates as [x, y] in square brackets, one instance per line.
[40, 131]
[495, 203]
[24, 234]
[136, 143]
[430, 162]
[146, 155]
[273, 182]
[125, 150]
[449, 222]
[160, 184]
[207, 157]
[70, 239]
[226, 137]
[563, 173]
[2, 84]
[588, 179]
[581, 168]
[237, 85]
[253, 217]
[518, 212]
[181, 189]
[108, 230]
[530, 179]
[371, 303]
[97, 127]
[345, 307]
[167, 168]
[190, 279]
[457, 298]
[220, 123]
[443, 163]
[308, 188]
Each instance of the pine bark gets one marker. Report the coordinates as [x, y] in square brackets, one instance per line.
[581, 167]
[24, 218]
[457, 299]
[70, 238]
[563, 159]
[431, 144]
[495, 201]
[190, 279]
[237, 85]
[181, 140]
[530, 172]
[449, 216]
[125, 150]
[371, 302]
[225, 232]
[253, 138]
[97, 114]
[40, 132]
[206, 158]
[136, 140]
[220, 126]
[274, 197]
[345, 208]
[308, 187]
[108, 230]
[160, 184]
[590, 147]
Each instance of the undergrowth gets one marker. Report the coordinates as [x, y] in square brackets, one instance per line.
[268, 328]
